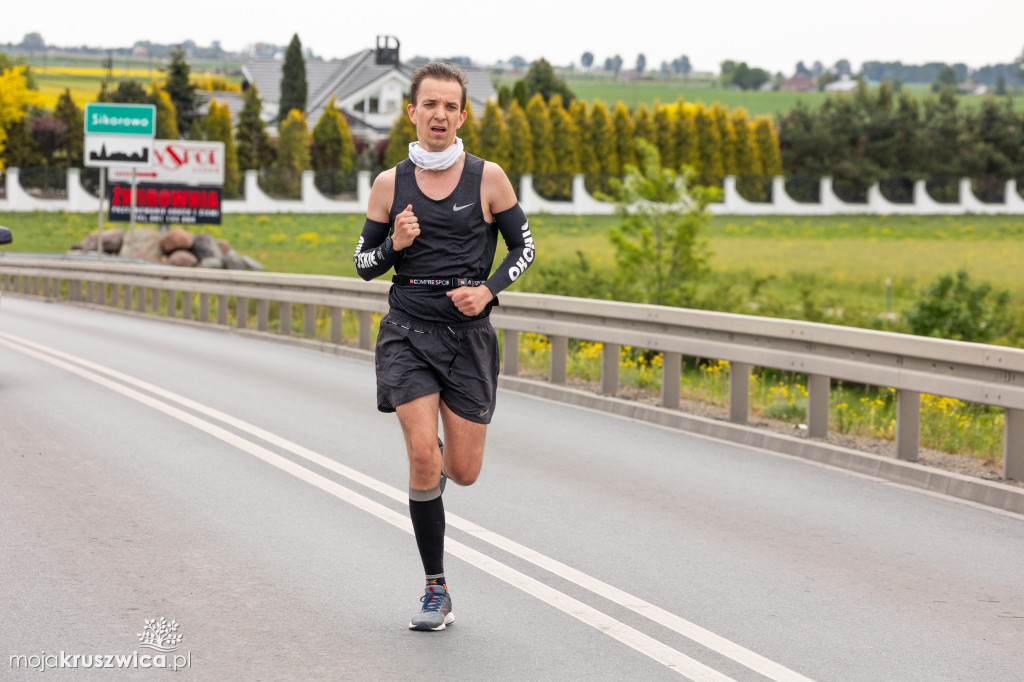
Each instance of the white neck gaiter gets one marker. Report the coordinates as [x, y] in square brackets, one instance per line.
[435, 160]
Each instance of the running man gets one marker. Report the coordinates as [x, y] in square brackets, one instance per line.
[435, 218]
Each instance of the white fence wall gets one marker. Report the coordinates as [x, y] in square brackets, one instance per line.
[582, 203]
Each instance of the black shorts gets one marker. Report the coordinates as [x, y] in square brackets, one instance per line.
[459, 361]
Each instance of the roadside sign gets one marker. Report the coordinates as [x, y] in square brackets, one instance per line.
[118, 151]
[181, 162]
[165, 204]
[120, 119]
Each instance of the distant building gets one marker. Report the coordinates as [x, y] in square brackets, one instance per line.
[799, 83]
[370, 88]
[842, 85]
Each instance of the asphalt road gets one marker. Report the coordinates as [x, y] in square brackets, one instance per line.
[250, 492]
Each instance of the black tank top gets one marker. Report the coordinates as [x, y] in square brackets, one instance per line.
[454, 241]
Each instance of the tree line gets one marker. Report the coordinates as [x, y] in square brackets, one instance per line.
[31, 136]
[553, 140]
[872, 135]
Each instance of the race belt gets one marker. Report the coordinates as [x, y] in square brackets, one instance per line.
[439, 282]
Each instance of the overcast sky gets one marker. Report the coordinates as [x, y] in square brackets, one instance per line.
[769, 34]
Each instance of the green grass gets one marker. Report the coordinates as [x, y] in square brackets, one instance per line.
[846, 259]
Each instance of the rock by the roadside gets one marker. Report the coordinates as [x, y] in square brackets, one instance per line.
[251, 263]
[113, 240]
[176, 238]
[145, 244]
[225, 246]
[215, 263]
[182, 258]
[204, 246]
[232, 261]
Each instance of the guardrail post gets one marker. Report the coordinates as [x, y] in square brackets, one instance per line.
[141, 298]
[739, 392]
[241, 312]
[336, 322]
[222, 309]
[204, 307]
[284, 318]
[115, 295]
[186, 305]
[309, 320]
[818, 389]
[365, 329]
[609, 368]
[129, 291]
[1013, 445]
[671, 378]
[262, 315]
[559, 359]
[908, 424]
[172, 303]
[510, 353]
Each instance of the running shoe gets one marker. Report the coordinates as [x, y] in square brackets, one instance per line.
[444, 479]
[436, 613]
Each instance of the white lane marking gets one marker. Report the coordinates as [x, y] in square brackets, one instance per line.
[667, 656]
[679, 625]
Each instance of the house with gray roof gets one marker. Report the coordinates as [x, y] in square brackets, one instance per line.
[369, 87]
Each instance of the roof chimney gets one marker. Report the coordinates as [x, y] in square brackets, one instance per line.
[387, 50]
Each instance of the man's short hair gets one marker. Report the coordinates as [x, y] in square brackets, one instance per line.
[441, 72]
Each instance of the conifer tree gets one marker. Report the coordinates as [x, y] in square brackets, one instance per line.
[767, 140]
[602, 138]
[403, 132]
[470, 131]
[166, 115]
[686, 134]
[217, 127]
[292, 154]
[666, 136]
[520, 158]
[644, 123]
[539, 120]
[749, 174]
[332, 147]
[182, 91]
[625, 135]
[710, 166]
[579, 110]
[254, 149]
[66, 111]
[727, 136]
[566, 147]
[293, 80]
[495, 144]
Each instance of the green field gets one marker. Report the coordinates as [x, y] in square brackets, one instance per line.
[703, 90]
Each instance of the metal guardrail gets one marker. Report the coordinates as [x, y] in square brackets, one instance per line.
[912, 365]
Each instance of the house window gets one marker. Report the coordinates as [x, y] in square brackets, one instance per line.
[374, 105]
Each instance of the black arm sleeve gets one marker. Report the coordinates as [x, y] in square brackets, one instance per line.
[374, 254]
[515, 230]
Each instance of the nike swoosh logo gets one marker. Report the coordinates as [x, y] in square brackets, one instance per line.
[456, 207]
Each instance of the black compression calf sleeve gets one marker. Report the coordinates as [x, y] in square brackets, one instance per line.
[428, 525]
